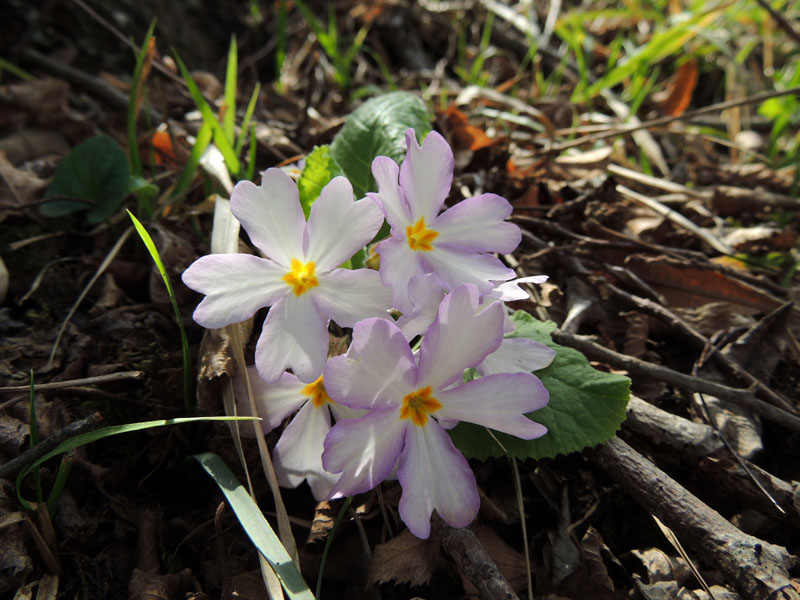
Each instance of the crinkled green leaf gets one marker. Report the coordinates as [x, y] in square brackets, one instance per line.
[94, 176]
[319, 169]
[586, 406]
[377, 128]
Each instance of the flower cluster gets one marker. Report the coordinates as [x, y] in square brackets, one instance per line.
[391, 405]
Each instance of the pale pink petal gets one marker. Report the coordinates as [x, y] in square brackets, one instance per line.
[390, 196]
[295, 336]
[377, 371]
[455, 268]
[458, 339]
[235, 285]
[434, 475]
[510, 291]
[298, 454]
[341, 412]
[498, 402]
[363, 450]
[399, 264]
[426, 175]
[477, 224]
[426, 293]
[348, 296]
[338, 227]
[271, 215]
[517, 355]
[274, 401]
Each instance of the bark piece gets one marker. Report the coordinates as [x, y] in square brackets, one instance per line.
[756, 568]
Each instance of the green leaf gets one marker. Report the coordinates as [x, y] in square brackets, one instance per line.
[377, 128]
[320, 168]
[586, 406]
[256, 526]
[95, 176]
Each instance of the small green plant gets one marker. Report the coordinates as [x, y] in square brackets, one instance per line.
[221, 128]
[331, 42]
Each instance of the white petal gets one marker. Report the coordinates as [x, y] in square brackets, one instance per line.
[498, 402]
[434, 475]
[510, 291]
[274, 401]
[271, 215]
[298, 454]
[517, 355]
[295, 336]
[426, 175]
[458, 339]
[339, 227]
[348, 296]
[235, 285]
[426, 292]
[399, 264]
[390, 196]
[478, 224]
[377, 371]
[363, 450]
[455, 268]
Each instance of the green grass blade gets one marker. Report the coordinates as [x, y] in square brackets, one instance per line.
[329, 542]
[188, 396]
[210, 118]
[251, 155]
[99, 434]
[229, 116]
[14, 70]
[256, 526]
[34, 437]
[64, 469]
[187, 175]
[133, 101]
[248, 116]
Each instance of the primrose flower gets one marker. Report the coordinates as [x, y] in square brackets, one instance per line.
[298, 454]
[455, 245]
[299, 278]
[514, 355]
[413, 399]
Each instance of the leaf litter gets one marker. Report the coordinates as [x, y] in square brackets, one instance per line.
[589, 536]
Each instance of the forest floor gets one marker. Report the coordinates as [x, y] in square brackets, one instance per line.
[650, 153]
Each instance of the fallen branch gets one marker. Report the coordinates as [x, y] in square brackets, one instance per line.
[756, 568]
[15, 465]
[463, 546]
[642, 368]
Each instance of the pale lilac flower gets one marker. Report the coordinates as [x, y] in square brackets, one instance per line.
[299, 278]
[455, 245]
[514, 355]
[298, 454]
[412, 399]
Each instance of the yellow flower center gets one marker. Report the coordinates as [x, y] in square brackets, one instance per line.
[301, 278]
[420, 237]
[418, 404]
[316, 393]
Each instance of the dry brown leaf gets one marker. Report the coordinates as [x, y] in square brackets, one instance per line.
[692, 286]
[404, 559]
[761, 238]
[680, 88]
[510, 562]
[464, 135]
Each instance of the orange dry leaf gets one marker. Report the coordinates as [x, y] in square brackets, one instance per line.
[165, 152]
[464, 135]
[680, 89]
